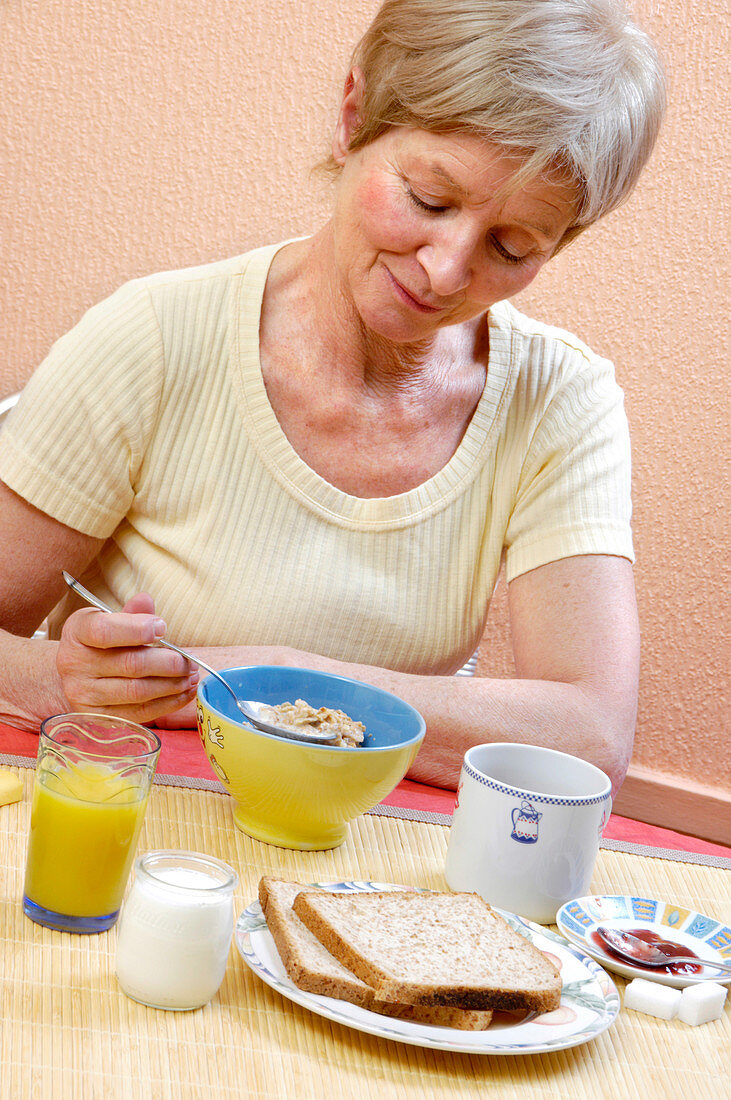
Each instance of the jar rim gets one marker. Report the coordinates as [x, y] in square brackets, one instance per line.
[149, 865]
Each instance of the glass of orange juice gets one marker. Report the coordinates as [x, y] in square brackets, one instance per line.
[93, 779]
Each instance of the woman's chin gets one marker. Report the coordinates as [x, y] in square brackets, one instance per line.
[400, 329]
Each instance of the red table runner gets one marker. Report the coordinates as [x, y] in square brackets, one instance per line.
[183, 756]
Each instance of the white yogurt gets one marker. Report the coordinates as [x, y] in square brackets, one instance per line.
[175, 929]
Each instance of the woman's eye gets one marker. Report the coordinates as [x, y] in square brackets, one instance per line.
[504, 254]
[431, 208]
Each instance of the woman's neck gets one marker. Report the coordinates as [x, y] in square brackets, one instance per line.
[371, 418]
[303, 275]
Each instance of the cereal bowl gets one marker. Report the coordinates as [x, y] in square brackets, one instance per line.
[290, 793]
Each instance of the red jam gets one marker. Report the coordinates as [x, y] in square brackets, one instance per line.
[647, 935]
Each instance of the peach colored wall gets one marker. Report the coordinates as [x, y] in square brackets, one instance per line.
[137, 136]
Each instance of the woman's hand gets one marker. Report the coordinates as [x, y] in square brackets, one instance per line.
[183, 719]
[108, 662]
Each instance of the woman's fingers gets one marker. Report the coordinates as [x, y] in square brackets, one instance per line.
[109, 662]
[99, 630]
[94, 690]
[121, 645]
[140, 603]
[151, 711]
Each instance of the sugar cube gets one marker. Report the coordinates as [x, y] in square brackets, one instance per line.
[701, 1002]
[652, 998]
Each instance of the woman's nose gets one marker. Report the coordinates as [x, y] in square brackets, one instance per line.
[448, 262]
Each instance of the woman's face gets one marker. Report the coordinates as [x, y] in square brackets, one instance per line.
[422, 241]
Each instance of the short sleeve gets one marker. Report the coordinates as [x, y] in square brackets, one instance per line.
[574, 492]
[75, 441]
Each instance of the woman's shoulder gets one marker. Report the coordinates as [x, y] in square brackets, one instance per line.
[557, 378]
[187, 279]
[543, 347]
[193, 302]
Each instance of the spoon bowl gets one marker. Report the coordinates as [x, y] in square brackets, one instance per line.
[639, 952]
[249, 708]
[251, 711]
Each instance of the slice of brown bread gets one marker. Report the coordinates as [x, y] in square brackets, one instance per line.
[431, 948]
[312, 968]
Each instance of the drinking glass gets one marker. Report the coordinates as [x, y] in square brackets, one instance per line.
[93, 779]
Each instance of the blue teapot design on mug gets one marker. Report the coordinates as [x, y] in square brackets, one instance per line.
[525, 825]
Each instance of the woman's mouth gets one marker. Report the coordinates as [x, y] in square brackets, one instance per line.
[410, 299]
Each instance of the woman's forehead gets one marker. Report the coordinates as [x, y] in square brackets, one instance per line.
[474, 169]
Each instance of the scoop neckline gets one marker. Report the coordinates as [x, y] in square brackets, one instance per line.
[310, 488]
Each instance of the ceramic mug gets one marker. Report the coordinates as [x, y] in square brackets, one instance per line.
[526, 827]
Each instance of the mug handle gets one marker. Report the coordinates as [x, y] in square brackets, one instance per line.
[512, 816]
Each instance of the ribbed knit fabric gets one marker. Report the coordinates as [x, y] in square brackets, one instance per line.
[149, 425]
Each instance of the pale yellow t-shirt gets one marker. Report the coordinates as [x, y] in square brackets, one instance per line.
[149, 425]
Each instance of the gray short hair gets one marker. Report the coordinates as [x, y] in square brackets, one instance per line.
[574, 84]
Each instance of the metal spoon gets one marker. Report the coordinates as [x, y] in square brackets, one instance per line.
[640, 952]
[249, 708]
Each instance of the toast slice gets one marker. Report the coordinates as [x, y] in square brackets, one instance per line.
[432, 949]
[312, 968]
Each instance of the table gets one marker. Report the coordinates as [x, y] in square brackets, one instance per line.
[183, 762]
[69, 1031]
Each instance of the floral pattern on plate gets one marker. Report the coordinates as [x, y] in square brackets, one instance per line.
[707, 938]
[589, 999]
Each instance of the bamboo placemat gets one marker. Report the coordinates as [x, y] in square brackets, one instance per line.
[431, 817]
[68, 1031]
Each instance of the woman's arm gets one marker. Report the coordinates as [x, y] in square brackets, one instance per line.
[575, 638]
[576, 644]
[34, 548]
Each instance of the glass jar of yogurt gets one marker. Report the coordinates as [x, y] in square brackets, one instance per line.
[175, 929]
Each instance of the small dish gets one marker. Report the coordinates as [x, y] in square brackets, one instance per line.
[703, 936]
[589, 1001]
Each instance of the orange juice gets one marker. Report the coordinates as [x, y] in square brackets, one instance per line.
[85, 821]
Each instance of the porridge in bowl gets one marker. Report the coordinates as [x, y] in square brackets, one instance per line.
[301, 716]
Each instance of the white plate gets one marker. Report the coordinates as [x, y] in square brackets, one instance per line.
[707, 938]
[589, 1000]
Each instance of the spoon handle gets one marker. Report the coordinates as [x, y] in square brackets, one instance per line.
[101, 606]
[243, 706]
[723, 967]
[85, 593]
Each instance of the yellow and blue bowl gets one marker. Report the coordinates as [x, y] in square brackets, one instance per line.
[296, 795]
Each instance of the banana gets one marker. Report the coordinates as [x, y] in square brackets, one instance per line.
[11, 788]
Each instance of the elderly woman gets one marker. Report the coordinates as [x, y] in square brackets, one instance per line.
[320, 452]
